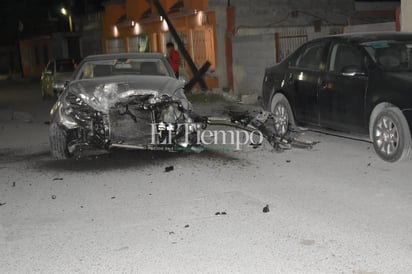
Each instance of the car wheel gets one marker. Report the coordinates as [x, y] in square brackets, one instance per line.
[391, 136]
[58, 142]
[282, 114]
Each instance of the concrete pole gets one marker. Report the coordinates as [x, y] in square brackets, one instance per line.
[406, 15]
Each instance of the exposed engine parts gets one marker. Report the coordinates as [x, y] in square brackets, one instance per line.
[263, 123]
[143, 121]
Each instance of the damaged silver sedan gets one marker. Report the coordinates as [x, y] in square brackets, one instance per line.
[128, 101]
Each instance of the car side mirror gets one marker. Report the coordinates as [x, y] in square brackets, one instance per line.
[351, 71]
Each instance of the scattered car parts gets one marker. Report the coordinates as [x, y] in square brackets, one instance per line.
[133, 101]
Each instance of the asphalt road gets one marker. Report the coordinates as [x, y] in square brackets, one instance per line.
[334, 209]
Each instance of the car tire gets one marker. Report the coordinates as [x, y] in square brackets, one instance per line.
[58, 142]
[391, 136]
[282, 113]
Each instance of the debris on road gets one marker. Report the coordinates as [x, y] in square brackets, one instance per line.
[53, 197]
[263, 122]
[113, 197]
[307, 242]
[266, 209]
[186, 226]
[58, 179]
[47, 122]
[2, 204]
[14, 184]
[301, 143]
[169, 168]
[220, 213]
[288, 161]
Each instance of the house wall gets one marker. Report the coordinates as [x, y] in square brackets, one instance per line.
[276, 13]
[124, 25]
[251, 55]
[219, 8]
[9, 61]
[406, 15]
[91, 43]
[257, 22]
[387, 26]
[37, 51]
[34, 55]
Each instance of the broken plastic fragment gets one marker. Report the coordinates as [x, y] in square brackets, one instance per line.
[169, 168]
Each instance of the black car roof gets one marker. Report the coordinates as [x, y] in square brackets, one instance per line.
[362, 37]
[109, 56]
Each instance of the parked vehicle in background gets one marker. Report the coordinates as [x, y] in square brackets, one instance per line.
[55, 76]
[359, 84]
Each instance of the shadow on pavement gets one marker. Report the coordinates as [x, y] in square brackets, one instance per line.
[126, 159]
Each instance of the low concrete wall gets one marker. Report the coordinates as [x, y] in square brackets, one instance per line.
[389, 26]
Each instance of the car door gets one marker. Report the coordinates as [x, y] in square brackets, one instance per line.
[302, 81]
[343, 88]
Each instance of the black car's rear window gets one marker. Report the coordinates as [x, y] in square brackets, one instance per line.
[391, 55]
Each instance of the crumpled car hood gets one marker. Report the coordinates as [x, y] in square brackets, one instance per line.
[103, 93]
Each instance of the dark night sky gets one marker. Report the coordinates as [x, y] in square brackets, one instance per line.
[39, 16]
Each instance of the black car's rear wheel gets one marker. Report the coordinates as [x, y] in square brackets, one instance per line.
[282, 114]
[391, 136]
[58, 142]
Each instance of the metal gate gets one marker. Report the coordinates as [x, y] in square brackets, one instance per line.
[287, 43]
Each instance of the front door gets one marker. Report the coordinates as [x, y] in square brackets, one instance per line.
[302, 81]
[342, 95]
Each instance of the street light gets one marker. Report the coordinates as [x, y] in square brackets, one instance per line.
[65, 13]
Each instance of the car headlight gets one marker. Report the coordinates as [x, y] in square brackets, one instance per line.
[74, 105]
[58, 85]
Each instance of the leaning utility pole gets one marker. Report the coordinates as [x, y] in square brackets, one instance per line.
[197, 73]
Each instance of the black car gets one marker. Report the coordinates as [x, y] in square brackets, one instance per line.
[359, 84]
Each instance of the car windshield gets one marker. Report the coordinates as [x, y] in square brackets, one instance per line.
[391, 55]
[64, 66]
[105, 68]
